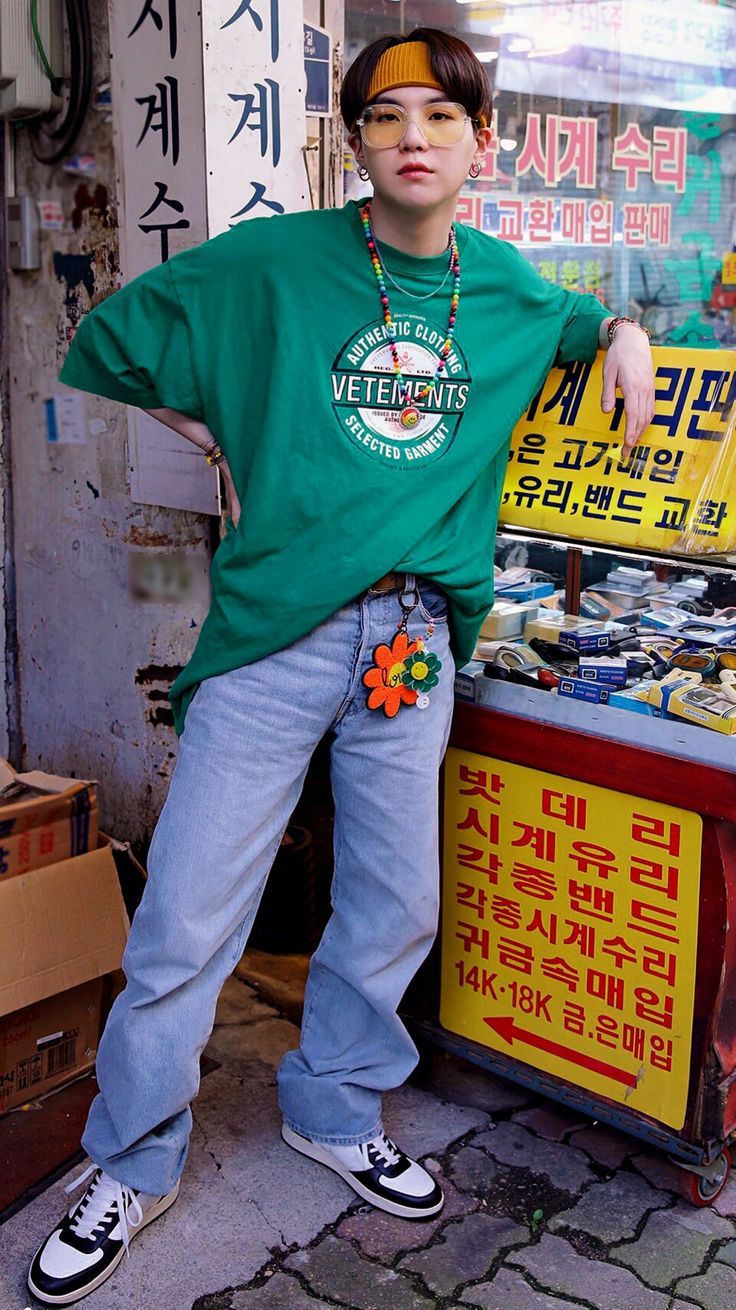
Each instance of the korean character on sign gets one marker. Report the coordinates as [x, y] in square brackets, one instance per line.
[540, 220]
[24, 848]
[636, 463]
[559, 970]
[590, 857]
[165, 223]
[632, 1040]
[634, 225]
[666, 465]
[572, 455]
[653, 920]
[600, 214]
[655, 876]
[546, 929]
[487, 826]
[593, 900]
[470, 210]
[572, 222]
[570, 274]
[632, 155]
[569, 393]
[533, 154]
[481, 784]
[675, 510]
[149, 10]
[709, 516]
[261, 113]
[511, 220]
[606, 1031]
[717, 395]
[573, 1018]
[474, 937]
[597, 501]
[542, 841]
[530, 881]
[528, 491]
[647, 1000]
[547, 268]
[4, 853]
[505, 912]
[660, 1052]
[630, 505]
[669, 153]
[557, 494]
[676, 389]
[660, 224]
[471, 898]
[531, 448]
[581, 936]
[515, 955]
[605, 987]
[571, 809]
[660, 964]
[592, 274]
[620, 950]
[580, 155]
[485, 862]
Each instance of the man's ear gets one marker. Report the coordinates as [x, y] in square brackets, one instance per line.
[483, 139]
[356, 145]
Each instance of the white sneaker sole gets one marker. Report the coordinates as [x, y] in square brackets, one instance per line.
[316, 1152]
[149, 1215]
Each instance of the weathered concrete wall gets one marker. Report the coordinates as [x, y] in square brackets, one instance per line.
[95, 664]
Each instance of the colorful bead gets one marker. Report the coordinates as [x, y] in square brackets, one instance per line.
[410, 416]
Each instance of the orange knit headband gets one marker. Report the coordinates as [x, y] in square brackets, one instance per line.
[407, 64]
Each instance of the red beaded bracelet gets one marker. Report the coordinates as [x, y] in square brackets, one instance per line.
[623, 318]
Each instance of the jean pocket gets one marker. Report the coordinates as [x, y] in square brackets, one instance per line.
[432, 601]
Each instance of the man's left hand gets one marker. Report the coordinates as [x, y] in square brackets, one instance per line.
[629, 367]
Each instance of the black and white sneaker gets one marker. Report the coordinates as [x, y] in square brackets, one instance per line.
[89, 1243]
[378, 1171]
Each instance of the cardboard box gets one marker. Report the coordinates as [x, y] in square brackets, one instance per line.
[64, 929]
[43, 819]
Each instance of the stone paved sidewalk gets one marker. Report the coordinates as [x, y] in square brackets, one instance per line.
[544, 1211]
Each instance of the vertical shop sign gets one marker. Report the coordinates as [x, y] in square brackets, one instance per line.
[158, 125]
[255, 118]
[570, 924]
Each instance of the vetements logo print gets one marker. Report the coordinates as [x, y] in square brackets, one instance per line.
[365, 394]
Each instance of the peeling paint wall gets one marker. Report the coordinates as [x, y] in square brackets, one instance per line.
[95, 662]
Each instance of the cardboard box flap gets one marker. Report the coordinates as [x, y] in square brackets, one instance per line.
[62, 925]
[18, 788]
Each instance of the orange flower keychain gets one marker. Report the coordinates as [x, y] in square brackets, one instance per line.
[402, 673]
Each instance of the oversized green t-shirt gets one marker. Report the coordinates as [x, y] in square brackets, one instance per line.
[273, 335]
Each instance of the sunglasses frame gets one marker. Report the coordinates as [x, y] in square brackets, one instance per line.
[408, 118]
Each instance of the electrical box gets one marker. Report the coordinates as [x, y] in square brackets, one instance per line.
[25, 89]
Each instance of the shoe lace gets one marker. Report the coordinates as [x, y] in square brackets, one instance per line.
[104, 1196]
[385, 1149]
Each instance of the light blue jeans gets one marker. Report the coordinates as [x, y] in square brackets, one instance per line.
[243, 756]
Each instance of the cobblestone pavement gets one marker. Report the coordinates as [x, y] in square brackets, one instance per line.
[544, 1210]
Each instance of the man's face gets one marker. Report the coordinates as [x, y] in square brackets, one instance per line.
[416, 174]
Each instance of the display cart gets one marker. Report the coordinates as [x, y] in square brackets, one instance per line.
[588, 940]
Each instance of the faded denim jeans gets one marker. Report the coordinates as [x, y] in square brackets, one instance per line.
[247, 742]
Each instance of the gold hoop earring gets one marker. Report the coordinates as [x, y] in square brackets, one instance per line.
[475, 169]
[363, 173]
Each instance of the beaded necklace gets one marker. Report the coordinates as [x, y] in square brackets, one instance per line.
[410, 413]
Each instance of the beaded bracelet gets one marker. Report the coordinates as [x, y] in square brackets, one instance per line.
[213, 454]
[623, 318]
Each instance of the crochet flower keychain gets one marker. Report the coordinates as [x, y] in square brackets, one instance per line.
[405, 672]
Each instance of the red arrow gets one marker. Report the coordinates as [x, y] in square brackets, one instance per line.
[507, 1029]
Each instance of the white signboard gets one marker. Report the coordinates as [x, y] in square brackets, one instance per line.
[255, 117]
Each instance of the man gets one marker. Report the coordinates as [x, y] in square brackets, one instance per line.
[356, 375]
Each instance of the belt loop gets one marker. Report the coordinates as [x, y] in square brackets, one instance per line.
[409, 588]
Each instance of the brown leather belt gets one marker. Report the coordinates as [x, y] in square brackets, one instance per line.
[389, 582]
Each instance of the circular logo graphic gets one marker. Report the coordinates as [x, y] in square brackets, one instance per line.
[366, 397]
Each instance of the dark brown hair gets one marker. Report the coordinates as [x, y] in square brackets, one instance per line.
[453, 63]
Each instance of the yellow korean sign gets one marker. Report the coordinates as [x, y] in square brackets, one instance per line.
[729, 268]
[569, 932]
[674, 492]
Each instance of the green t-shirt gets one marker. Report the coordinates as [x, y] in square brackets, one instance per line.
[273, 335]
